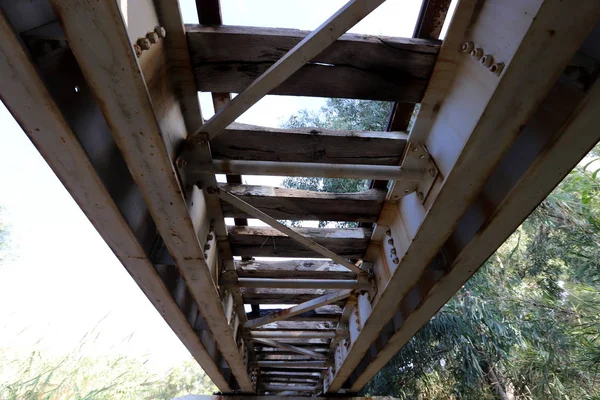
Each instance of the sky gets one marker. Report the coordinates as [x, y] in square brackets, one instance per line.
[61, 280]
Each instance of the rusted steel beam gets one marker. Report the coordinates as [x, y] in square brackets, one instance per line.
[299, 309]
[311, 244]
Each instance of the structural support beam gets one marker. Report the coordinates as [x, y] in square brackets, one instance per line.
[100, 42]
[273, 387]
[304, 283]
[311, 244]
[320, 170]
[544, 33]
[289, 347]
[25, 94]
[307, 49]
[299, 309]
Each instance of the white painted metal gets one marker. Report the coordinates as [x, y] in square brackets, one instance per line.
[289, 347]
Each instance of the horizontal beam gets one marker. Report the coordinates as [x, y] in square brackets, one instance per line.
[324, 300]
[287, 373]
[320, 170]
[291, 335]
[291, 233]
[296, 204]
[313, 44]
[289, 347]
[292, 269]
[268, 242]
[291, 364]
[249, 142]
[229, 58]
[303, 283]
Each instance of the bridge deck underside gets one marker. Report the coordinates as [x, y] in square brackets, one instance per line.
[110, 100]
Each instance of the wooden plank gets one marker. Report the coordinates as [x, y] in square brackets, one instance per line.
[303, 283]
[313, 44]
[269, 242]
[229, 58]
[543, 32]
[326, 299]
[290, 232]
[209, 12]
[302, 269]
[289, 347]
[282, 296]
[295, 204]
[99, 40]
[249, 142]
[291, 334]
[25, 95]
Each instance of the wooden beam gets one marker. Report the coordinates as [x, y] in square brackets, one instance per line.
[321, 170]
[229, 58]
[324, 300]
[542, 32]
[301, 269]
[295, 204]
[317, 41]
[268, 242]
[289, 347]
[292, 387]
[99, 39]
[281, 296]
[558, 136]
[249, 142]
[26, 96]
[303, 283]
[291, 233]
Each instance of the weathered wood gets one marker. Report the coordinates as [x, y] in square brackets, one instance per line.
[28, 99]
[146, 131]
[313, 44]
[249, 142]
[269, 242]
[303, 269]
[290, 232]
[305, 334]
[229, 58]
[289, 347]
[497, 114]
[282, 296]
[295, 204]
[326, 299]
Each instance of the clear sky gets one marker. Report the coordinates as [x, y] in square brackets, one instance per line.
[62, 279]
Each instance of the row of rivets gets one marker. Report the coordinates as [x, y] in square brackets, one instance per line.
[487, 60]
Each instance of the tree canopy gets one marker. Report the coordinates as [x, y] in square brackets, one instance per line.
[527, 325]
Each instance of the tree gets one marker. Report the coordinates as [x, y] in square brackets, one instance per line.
[526, 326]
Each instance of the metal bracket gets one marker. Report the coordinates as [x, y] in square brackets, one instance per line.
[416, 157]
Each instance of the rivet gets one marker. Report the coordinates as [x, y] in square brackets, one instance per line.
[467, 47]
[432, 172]
[152, 37]
[209, 237]
[422, 156]
[138, 50]
[415, 148]
[391, 241]
[160, 31]
[207, 246]
[144, 43]
[406, 191]
[477, 53]
[388, 232]
[396, 260]
[487, 60]
[181, 163]
[497, 68]
[393, 251]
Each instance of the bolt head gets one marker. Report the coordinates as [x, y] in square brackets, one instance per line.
[477, 53]
[152, 37]
[138, 50]
[209, 237]
[160, 31]
[144, 43]
[391, 241]
[388, 232]
[431, 172]
[487, 60]
[393, 251]
[467, 47]
[181, 163]
[396, 260]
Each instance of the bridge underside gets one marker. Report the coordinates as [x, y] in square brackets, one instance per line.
[108, 93]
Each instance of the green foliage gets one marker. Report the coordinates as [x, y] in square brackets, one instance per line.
[527, 325]
[78, 375]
